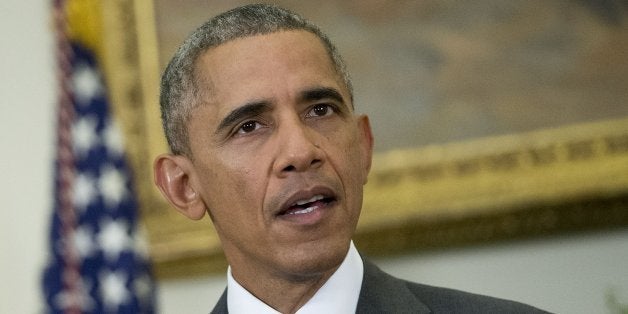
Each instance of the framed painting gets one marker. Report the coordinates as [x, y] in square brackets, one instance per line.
[493, 120]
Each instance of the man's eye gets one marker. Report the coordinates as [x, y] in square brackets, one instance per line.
[248, 127]
[320, 111]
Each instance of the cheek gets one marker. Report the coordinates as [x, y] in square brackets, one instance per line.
[353, 156]
[231, 189]
[347, 161]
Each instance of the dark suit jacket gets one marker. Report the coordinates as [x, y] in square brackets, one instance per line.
[383, 293]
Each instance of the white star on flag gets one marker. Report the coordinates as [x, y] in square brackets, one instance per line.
[84, 191]
[143, 287]
[112, 186]
[113, 238]
[113, 289]
[113, 138]
[140, 244]
[82, 242]
[84, 135]
[77, 298]
[86, 84]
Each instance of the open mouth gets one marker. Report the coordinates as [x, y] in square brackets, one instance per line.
[307, 206]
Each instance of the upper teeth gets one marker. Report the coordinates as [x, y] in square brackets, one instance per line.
[313, 199]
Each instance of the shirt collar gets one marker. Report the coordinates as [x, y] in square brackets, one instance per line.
[338, 295]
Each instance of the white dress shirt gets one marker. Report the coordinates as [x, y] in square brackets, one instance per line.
[338, 295]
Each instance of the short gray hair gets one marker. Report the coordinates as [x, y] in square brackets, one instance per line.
[180, 92]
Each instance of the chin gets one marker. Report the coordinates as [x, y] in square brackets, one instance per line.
[315, 259]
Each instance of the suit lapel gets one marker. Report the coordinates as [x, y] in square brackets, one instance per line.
[382, 293]
[221, 305]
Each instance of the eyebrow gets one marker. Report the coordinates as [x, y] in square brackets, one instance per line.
[257, 107]
[250, 109]
[319, 93]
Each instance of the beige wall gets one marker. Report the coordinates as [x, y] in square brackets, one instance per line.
[26, 140]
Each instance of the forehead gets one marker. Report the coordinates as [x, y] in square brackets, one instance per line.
[264, 64]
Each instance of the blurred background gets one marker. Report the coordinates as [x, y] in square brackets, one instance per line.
[458, 89]
[439, 71]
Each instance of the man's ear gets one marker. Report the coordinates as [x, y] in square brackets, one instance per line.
[173, 176]
[366, 143]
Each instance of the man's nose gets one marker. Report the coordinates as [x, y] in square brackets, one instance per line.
[297, 149]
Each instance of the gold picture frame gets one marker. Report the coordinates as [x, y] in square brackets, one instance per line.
[539, 182]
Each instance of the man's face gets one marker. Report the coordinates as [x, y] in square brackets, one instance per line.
[280, 159]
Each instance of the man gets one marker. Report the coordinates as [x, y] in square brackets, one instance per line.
[258, 112]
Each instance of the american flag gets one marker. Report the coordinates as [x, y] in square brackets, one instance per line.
[98, 262]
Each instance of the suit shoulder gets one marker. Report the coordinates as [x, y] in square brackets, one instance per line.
[445, 300]
[384, 293]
